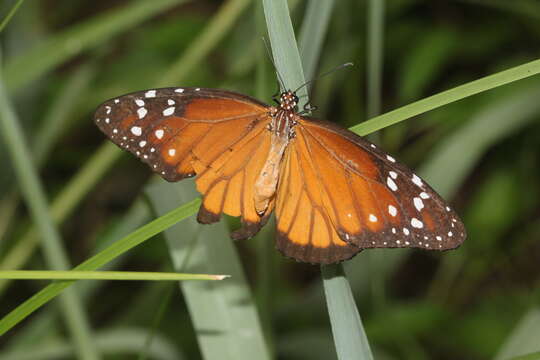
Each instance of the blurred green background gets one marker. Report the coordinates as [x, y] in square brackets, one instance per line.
[61, 59]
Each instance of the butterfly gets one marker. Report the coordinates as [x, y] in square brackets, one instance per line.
[333, 192]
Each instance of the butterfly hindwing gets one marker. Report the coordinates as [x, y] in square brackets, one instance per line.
[372, 200]
[305, 231]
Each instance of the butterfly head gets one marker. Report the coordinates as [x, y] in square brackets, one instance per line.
[288, 100]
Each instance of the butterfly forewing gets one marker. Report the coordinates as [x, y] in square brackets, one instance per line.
[162, 126]
[180, 132]
[305, 231]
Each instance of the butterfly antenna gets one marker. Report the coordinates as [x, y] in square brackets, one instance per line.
[269, 52]
[339, 67]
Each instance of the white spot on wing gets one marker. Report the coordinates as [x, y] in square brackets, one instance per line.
[392, 210]
[179, 90]
[372, 218]
[393, 174]
[417, 180]
[168, 111]
[150, 94]
[424, 195]
[417, 223]
[418, 203]
[390, 158]
[139, 102]
[391, 184]
[142, 143]
[172, 152]
[170, 102]
[136, 130]
[159, 133]
[406, 231]
[142, 112]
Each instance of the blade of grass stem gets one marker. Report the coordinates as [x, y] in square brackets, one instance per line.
[531, 356]
[448, 96]
[44, 324]
[224, 316]
[375, 36]
[104, 275]
[523, 340]
[374, 73]
[113, 251]
[10, 14]
[63, 205]
[35, 197]
[484, 129]
[55, 121]
[312, 33]
[286, 56]
[349, 335]
[108, 153]
[121, 342]
[27, 67]
[219, 26]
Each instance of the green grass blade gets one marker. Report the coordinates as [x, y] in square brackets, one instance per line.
[10, 14]
[531, 356]
[63, 205]
[36, 200]
[349, 334]
[105, 275]
[95, 262]
[284, 49]
[312, 33]
[27, 67]
[121, 342]
[486, 128]
[56, 120]
[375, 36]
[448, 96]
[212, 34]
[224, 315]
[524, 339]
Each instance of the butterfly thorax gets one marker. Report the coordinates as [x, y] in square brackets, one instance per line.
[282, 131]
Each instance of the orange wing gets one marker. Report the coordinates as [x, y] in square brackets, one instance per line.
[180, 132]
[343, 188]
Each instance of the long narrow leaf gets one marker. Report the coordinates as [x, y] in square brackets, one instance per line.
[36, 200]
[27, 67]
[105, 275]
[349, 334]
[224, 315]
[98, 260]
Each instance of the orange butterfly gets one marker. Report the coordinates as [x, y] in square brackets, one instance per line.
[334, 192]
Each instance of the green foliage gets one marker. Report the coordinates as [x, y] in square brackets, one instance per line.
[426, 60]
